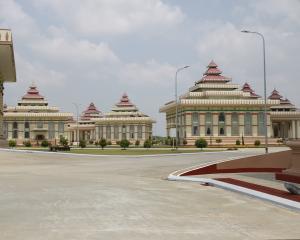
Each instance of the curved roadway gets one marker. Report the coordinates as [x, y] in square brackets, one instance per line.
[52, 196]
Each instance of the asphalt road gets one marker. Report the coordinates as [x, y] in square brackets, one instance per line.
[51, 196]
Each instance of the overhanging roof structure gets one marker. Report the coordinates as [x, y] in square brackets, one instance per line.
[7, 60]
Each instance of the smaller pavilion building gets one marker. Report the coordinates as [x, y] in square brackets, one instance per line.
[34, 120]
[124, 121]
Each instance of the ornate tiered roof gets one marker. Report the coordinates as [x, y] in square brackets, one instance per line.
[213, 75]
[275, 95]
[32, 93]
[246, 88]
[91, 112]
[124, 101]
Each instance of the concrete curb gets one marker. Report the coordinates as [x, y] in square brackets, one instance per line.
[227, 186]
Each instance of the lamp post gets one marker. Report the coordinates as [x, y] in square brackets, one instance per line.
[265, 87]
[176, 104]
[77, 120]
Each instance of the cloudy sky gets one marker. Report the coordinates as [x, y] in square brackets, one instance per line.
[94, 50]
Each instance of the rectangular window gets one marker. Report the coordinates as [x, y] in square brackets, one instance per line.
[51, 130]
[15, 130]
[100, 132]
[123, 132]
[195, 124]
[208, 124]
[140, 131]
[235, 124]
[61, 127]
[108, 132]
[248, 124]
[39, 125]
[116, 132]
[131, 131]
[261, 124]
[5, 130]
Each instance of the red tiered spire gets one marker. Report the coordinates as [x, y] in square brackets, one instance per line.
[32, 93]
[90, 112]
[124, 102]
[213, 75]
[275, 95]
[247, 88]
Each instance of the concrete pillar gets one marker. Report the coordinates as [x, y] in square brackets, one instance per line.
[293, 129]
[144, 132]
[298, 129]
[188, 120]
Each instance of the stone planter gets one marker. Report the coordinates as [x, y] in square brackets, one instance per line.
[294, 169]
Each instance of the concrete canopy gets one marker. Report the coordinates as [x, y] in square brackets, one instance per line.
[7, 61]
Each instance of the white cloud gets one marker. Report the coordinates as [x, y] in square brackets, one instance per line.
[97, 17]
[149, 73]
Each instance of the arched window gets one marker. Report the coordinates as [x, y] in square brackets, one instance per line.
[248, 124]
[221, 124]
[261, 124]
[208, 124]
[195, 124]
[235, 124]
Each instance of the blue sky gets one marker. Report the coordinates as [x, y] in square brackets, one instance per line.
[94, 50]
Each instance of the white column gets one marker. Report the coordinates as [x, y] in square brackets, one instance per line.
[293, 129]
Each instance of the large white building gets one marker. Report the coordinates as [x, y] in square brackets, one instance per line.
[215, 108]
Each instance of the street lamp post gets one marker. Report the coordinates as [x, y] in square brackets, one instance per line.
[265, 87]
[176, 104]
[77, 122]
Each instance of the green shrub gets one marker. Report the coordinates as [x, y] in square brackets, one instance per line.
[102, 143]
[118, 142]
[109, 143]
[27, 143]
[184, 142]
[257, 142]
[45, 143]
[124, 143]
[63, 141]
[12, 143]
[237, 142]
[148, 144]
[96, 143]
[219, 140]
[82, 143]
[137, 143]
[201, 143]
[91, 142]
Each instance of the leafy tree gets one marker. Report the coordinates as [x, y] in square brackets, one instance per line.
[137, 143]
[201, 143]
[124, 144]
[148, 144]
[12, 143]
[45, 143]
[102, 143]
[27, 143]
[82, 143]
[256, 142]
[63, 141]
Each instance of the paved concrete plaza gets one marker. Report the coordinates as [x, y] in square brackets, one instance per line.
[50, 196]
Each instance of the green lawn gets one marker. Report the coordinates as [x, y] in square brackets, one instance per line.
[130, 151]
